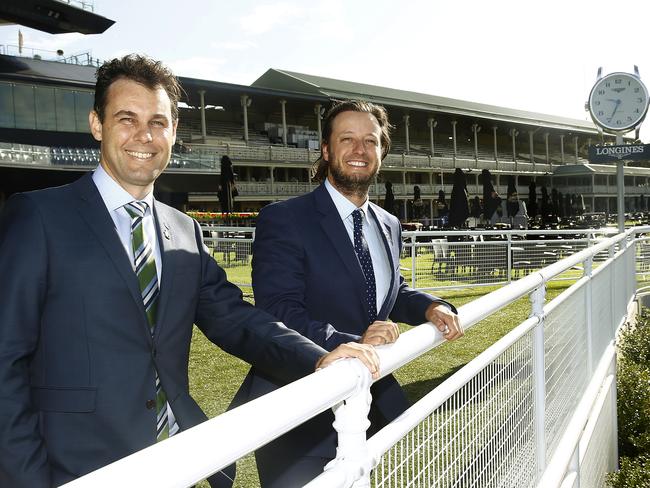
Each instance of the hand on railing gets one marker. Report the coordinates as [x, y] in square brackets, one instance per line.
[445, 320]
[363, 352]
[380, 332]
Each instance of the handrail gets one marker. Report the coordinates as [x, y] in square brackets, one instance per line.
[318, 391]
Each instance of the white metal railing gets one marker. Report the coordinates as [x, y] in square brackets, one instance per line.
[438, 260]
[502, 420]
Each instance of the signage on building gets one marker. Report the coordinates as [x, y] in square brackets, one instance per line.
[626, 152]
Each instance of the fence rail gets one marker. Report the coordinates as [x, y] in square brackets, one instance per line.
[507, 418]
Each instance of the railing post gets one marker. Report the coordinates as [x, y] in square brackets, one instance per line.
[537, 298]
[588, 267]
[509, 258]
[414, 256]
[351, 423]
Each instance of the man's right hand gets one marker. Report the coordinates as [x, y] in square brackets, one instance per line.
[363, 352]
[380, 332]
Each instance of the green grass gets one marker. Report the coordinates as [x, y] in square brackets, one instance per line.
[215, 376]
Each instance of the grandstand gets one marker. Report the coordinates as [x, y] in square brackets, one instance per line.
[271, 131]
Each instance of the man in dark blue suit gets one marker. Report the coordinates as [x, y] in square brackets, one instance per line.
[327, 263]
[100, 287]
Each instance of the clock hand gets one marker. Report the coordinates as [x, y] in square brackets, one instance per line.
[618, 102]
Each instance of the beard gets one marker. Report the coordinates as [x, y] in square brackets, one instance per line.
[350, 184]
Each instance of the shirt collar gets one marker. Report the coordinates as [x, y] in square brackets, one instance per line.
[113, 194]
[344, 206]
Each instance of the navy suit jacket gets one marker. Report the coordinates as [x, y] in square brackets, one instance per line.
[76, 356]
[306, 273]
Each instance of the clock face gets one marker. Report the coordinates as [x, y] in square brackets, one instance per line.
[618, 102]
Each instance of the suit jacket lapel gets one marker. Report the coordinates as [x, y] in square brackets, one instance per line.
[166, 243]
[94, 212]
[335, 231]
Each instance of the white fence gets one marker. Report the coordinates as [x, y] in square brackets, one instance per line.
[537, 408]
[439, 260]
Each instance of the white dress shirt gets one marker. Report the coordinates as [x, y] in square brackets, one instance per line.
[373, 235]
[115, 197]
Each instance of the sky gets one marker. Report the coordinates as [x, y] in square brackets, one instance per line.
[540, 56]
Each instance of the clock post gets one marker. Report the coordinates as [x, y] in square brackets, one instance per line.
[618, 103]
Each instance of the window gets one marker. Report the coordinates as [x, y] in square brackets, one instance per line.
[46, 108]
[24, 107]
[83, 106]
[7, 105]
[65, 111]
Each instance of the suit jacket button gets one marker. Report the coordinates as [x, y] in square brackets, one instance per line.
[150, 404]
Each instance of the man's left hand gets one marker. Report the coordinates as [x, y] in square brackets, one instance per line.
[445, 320]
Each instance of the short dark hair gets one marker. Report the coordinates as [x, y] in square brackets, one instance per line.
[141, 69]
[320, 168]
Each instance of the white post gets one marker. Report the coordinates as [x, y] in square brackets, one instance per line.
[575, 145]
[530, 143]
[414, 255]
[453, 133]
[431, 122]
[351, 422]
[244, 104]
[588, 267]
[284, 122]
[562, 148]
[272, 170]
[405, 118]
[494, 136]
[405, 193]
[513, 134]
[509, 256]
[204, 131]
[548, 155]
[537, 300]
[620, 185]
[317, 109]
[476, 129]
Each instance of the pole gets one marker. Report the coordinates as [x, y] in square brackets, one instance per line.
[620, 183]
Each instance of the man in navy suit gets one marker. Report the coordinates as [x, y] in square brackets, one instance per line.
[335, 280]
[81, 348]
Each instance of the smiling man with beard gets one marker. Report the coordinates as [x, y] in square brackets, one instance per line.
[327, 264]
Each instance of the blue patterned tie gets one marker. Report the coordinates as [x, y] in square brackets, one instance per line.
[145, 268]
[363, 253]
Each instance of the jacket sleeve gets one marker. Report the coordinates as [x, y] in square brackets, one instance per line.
[411, 305]
[23, 278]
[279, 277]
[246, 331]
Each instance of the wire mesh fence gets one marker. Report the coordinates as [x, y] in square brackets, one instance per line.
[503, 425]
[482, 436]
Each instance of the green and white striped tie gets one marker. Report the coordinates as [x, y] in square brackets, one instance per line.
[145, 268]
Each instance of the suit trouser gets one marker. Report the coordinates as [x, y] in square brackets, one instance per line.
[274, 473]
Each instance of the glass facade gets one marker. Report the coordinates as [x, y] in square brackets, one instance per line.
[24, 106]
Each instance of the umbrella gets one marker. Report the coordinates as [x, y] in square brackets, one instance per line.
[417, 204]
[389, 199]
[545, 207]
[532, 199]
[491, 199]
[459, 206]
[227, 186]
[512, 206]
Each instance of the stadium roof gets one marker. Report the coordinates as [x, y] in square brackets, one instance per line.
[52, 16]
[28, 69]
[340, 89]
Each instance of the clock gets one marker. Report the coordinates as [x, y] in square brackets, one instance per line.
[618, 102]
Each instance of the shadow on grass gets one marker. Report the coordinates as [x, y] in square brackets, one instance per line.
[417, 389]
